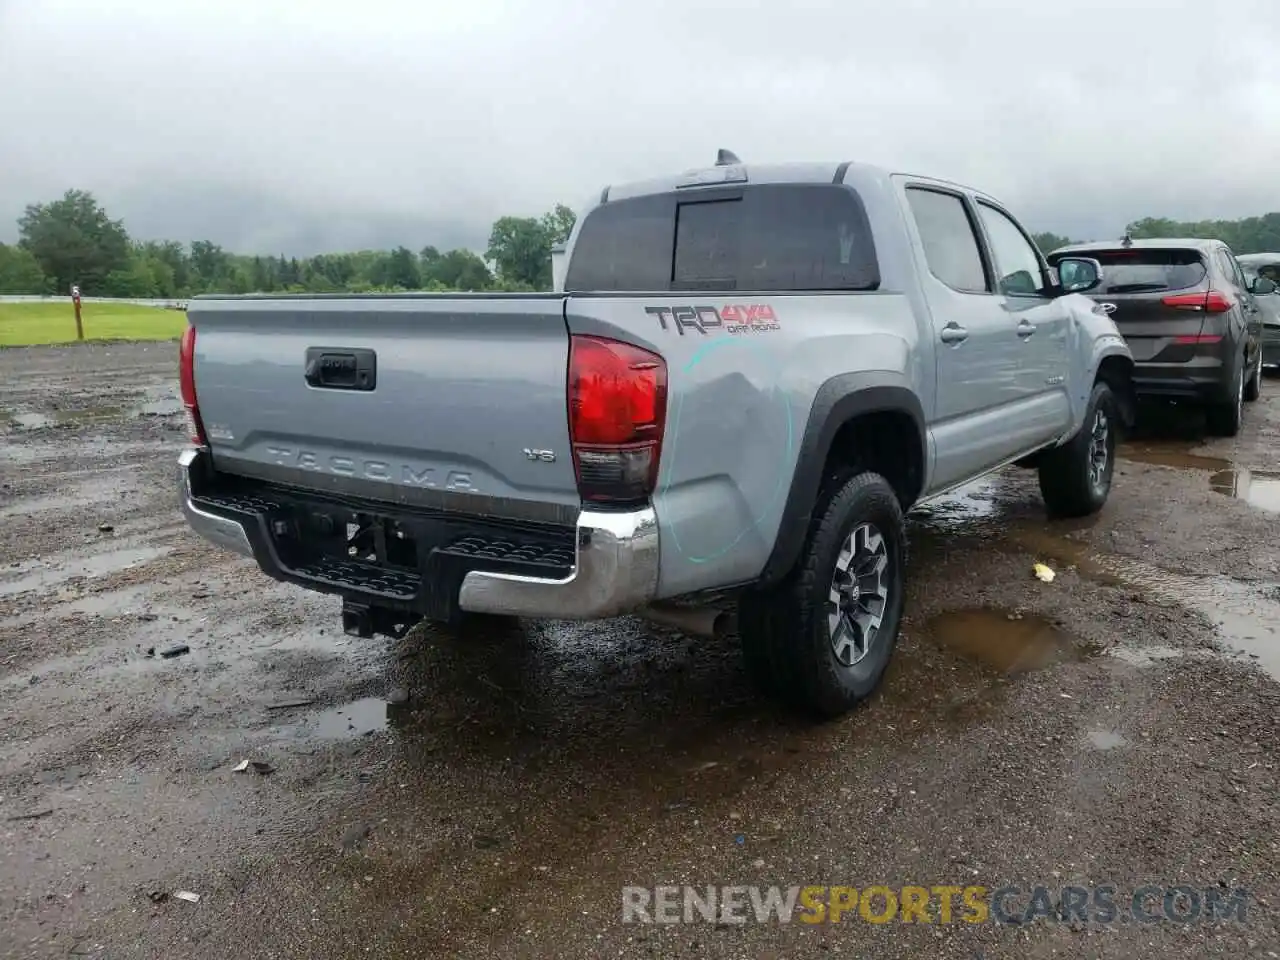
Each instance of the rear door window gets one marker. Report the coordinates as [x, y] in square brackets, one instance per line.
[1143, 270]
[771, 237]
[950, 242]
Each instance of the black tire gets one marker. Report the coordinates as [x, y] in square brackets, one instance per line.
[785, 631]
[1253, 389]
[1075, 478]
[1224, 419]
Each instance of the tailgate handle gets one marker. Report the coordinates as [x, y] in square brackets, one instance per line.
[341, 368]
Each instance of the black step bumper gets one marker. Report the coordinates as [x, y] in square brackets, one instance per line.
[428, 564]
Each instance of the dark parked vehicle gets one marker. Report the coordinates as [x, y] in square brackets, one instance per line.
[1262, 270]
[1192, 322]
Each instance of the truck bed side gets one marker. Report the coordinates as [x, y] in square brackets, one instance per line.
[742, 398]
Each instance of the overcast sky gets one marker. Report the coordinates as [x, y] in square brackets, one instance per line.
[305, 125]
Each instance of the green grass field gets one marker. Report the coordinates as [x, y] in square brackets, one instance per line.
[28, 324]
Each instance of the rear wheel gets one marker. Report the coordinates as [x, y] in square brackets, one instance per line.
[821, 640]
[1075, 478]
[1253, 389]
[1224, 419]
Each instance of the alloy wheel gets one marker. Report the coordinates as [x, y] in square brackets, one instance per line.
[859, 594]
[1099, 450]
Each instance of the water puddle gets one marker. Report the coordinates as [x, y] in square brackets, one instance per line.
[77, 497]
[88, 448]
[355, 719]
[33, 575]
[161, 400]
[1245, 619]
[972, 501]
[1170, 455]
[1105, 740]
[60, 418]
[1011, 643]
[1258, 488]
[347, 721]
[109, 603]
[1145, 656]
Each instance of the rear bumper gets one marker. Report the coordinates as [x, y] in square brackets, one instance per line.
[225, 532]
[614, 567]
[1271, 346]
[615, 571]
[1201, 379]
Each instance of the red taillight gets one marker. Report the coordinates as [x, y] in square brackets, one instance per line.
[1192, 338]
[617, 412]
[187, 385]
[1215, 301]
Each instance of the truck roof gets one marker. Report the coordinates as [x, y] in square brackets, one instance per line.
[830, 171]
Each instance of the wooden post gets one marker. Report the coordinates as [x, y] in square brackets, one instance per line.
[75, 299]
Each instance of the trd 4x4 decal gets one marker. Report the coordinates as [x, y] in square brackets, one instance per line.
[705, 319]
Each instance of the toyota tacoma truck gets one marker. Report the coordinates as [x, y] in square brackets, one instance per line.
[750, 374]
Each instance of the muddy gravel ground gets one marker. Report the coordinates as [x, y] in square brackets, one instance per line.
[490, 796]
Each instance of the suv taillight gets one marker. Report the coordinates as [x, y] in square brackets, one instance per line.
[617, 412]
[1215, 301]
[187, 384]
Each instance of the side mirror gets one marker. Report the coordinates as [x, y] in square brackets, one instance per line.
[1078, 274]
[1262, 286]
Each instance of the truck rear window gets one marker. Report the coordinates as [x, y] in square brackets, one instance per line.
[772, 237]
[1143, 270]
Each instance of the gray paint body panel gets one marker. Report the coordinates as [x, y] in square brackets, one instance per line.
[738, 409]
[463, 387]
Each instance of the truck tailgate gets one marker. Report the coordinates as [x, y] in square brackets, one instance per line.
[462, 405]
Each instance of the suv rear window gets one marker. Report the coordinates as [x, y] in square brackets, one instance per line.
[772, 237]
[1144, 270]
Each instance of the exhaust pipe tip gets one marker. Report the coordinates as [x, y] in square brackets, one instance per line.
[709, 622]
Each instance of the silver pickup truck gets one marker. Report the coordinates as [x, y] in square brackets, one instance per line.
[751, 374]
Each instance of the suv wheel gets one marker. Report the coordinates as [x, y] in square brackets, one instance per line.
[1075, 478]
[820, 640]
[1253, 389]
[1224, 419]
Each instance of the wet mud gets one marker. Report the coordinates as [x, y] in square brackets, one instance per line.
[488, 793]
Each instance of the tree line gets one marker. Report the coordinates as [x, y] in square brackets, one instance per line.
[1249, 235]
[73, 240]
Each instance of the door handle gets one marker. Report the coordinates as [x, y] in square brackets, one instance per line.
[954, 333]
[1026, 328]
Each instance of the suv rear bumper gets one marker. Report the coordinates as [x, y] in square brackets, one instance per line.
[614, 568]
[1271, 345]
[1204, 378]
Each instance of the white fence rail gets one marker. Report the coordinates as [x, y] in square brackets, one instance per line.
[26, 298]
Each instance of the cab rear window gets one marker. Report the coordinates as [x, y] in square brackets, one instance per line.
[771, 237]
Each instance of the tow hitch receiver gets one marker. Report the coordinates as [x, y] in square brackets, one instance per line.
[363, 620]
